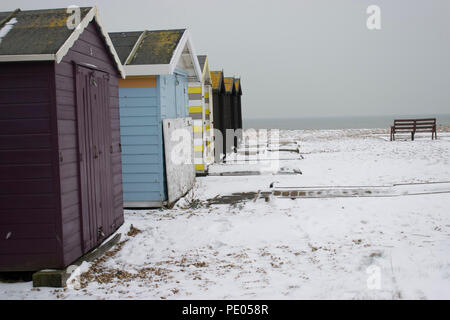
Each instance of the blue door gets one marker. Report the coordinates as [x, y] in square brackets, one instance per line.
[181, 95]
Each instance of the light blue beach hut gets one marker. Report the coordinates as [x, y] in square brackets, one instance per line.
[159, 66]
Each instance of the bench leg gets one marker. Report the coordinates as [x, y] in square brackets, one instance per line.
[412, 136]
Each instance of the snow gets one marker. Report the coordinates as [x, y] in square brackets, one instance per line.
[7, 28]
[395, 246]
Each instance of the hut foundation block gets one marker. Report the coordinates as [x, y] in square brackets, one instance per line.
[57, 278]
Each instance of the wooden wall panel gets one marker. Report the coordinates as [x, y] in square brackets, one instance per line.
[28, 195]
[88, 50]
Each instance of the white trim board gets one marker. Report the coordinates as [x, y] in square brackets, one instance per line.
[147, 69]
[28, 57]
[160, 69]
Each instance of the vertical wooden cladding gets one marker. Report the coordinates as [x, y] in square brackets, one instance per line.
[238, 94]
[227, 119]
[41, 223]
[218, 119]
[239, 112]
[102, 181]
[95, 149]
[235, 117]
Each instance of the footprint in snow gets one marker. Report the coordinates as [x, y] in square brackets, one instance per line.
[222, 225]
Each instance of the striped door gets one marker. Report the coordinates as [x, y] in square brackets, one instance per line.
[197, 113]
[209, 125]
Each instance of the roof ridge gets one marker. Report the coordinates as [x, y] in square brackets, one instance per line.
[135, 47]
[8, 18]
[125, 32]
[161, 30]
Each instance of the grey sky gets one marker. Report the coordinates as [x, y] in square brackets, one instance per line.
[307, 58]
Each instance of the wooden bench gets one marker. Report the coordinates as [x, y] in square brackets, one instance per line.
[413, 126]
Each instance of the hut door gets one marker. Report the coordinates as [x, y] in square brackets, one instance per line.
[94, 144]
[181, 95]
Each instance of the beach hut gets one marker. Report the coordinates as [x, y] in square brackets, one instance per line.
[237, 107]
[159, 67]
[218, 89]
[208, 110]
[197, 111]
[60, 164]
[229, 113]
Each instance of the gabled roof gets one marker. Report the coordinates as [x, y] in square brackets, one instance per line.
[237, 85]
[202, 61]
[156, 52]
[5, 16]
[44, 35]
[229, 84]
[124, 42]
[204, 66]
[217, 80]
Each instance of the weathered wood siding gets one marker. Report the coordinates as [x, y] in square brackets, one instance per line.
[235, 117]
[218, 123]
[141, 112]
[89, 49]
[239, 112]
[30, 226]
[227, 121]
[142, 155]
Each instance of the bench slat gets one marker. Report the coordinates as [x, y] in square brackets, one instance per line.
[415, 120]
[414, 125]
[417, 130]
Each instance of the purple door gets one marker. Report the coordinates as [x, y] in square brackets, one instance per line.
[94, 144]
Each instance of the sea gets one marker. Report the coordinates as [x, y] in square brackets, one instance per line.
[352, 122]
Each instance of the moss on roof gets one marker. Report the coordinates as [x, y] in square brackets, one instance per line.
[37, 31]
[155, 47]
[237, 85]
[229, 82]
[4, 17]
[216, 79]
[124, 42]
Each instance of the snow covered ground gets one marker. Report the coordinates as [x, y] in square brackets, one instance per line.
[394, 246]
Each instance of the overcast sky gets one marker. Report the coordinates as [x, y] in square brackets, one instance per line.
[307, 58]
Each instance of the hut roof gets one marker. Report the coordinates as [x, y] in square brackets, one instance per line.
[202, 61]
[124, 42]
[159, 50]
[229, 84]
[44, 34]
[204, 66]
[216, 79]
[237, 85]
[152, 47]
